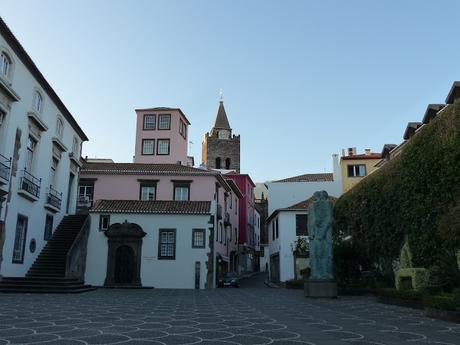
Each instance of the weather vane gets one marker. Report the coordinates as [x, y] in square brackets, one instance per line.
[221, 94]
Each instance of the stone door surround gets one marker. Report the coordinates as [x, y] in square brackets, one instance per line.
[119, 235]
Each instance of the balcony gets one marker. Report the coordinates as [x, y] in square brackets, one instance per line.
[84, 202]
[5, 168]
[53, 199]
[29, 186]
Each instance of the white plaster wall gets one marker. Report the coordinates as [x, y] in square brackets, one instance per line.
[287, 225]
[23, 83]
[285, 194]
[178, 273]
[265, 258]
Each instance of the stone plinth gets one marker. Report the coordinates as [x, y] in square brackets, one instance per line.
[320, 288]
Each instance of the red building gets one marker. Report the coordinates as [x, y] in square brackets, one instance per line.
[247, 238]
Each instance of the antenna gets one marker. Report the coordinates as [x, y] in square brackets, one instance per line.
[190, 143]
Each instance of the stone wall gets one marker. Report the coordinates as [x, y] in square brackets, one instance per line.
[214, 148]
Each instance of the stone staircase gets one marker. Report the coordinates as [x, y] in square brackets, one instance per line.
[48, 273]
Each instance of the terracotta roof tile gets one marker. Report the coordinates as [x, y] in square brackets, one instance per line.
[138, 168]
[309, 178]
[152, 207]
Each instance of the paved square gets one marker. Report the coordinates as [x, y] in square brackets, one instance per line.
[222, 316]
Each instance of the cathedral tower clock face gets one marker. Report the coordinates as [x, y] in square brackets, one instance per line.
[222, 134]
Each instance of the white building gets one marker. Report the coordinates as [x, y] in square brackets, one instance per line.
[288, 191]
[40, 146]
[169, 246]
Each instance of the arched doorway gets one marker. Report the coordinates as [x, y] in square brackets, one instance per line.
[124, 254]
[124, 265]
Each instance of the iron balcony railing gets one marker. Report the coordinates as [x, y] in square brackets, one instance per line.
[30, 183]
[5, 167]
[84, 201]
[54, 198]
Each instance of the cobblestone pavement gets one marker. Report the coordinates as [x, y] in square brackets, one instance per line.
[223, 316]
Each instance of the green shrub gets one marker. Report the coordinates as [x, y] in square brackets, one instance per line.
[411, 295]
[443, 302]
[294, 284]
[416, 194]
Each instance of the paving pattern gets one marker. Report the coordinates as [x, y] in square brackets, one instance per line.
[222, 316]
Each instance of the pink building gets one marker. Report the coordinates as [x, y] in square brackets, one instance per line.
[247, 239]
[161, 136]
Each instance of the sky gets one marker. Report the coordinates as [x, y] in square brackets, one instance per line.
[301, 80]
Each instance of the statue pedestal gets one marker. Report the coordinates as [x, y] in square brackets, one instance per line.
[320, 288]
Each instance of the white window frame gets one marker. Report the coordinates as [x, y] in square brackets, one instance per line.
[31, 147]
[5, 65]
[161, 124]
[151, 123]
[59, 128]
[104, 222]
[37, 102]
[161, 147]
[148, 192]
[143, 148]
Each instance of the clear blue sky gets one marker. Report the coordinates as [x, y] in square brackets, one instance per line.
[301, 79]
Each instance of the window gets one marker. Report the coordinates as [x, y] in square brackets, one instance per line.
[104, 222]
[236, 235]
[2, 117]
[218, 163]
[31, 145]
[54, 165]
[148, 146]
[148, 191]
[167, 244]
[37, 104]
[181, 191]
[227, 163]
[5, 65]
[85, 193]
[262, 252]
[236, 205]
[301, 225]
[356, 170]
[183, 129]
[277, 228]
[150, 122]
[163, 147]
[20, 240]
[198, 238]
[75, 147]
[59, 128]
[220, 232]
[48, 227]
[164, 121]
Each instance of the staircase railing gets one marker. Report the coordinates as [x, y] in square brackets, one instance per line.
[76, 256]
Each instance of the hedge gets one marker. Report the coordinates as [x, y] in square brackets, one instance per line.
[415, 194]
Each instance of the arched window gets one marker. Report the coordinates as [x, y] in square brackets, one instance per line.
[227, 163]
[59, 128]
[37, 102]
[218, 163]
[75, 147]
[5, 65]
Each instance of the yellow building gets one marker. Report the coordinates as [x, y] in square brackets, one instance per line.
[357, 166]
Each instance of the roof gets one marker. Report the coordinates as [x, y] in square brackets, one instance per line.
[300, 206]
[454, 93]
[431, 112]
[152, 207]
[235, 176]
[33, 69]
[323, 177]
[234, 187]
[363, 156]
[143, 168]
[165, 109]
[387, 148]
[410, 129]
[221, 118]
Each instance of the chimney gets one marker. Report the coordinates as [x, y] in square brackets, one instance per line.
[367, 152]
[352, 151]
